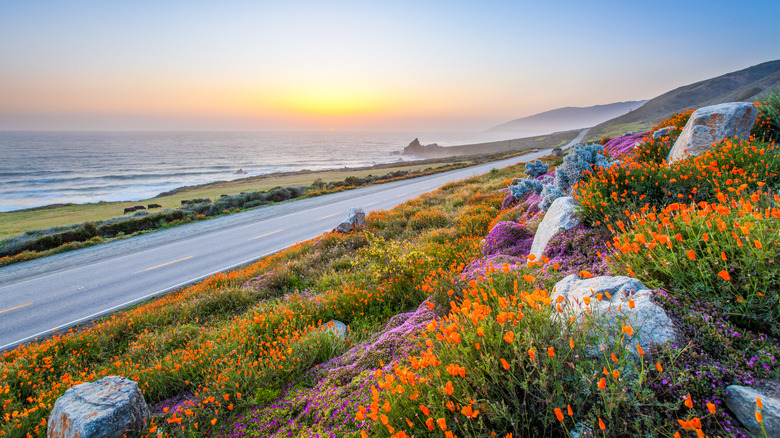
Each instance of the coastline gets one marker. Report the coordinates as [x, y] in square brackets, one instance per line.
[17, 222]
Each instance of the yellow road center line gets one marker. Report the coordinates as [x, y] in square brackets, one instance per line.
[267, 234]
[164, 264]
[14, 308]
[373, 203]
[325, 217]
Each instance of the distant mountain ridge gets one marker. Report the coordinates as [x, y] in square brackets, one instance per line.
[567, 118]
[745, 85]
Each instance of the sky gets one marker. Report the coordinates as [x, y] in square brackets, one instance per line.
[356, 65]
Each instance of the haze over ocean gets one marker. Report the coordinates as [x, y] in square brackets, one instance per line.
[42, 168]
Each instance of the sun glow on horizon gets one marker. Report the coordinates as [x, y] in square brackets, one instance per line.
[331, 101]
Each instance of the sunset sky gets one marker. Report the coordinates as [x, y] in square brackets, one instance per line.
[356, 65]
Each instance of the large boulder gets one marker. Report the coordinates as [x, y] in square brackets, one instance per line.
[560, 216]
[355, 218]
[110, 407]
[650, 322]
[741, 400]
[711, 124]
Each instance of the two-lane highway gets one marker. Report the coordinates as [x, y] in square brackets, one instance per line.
[57, 292]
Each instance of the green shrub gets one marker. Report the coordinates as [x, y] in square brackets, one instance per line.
[134, 225]
[767, 127]
[615, 193]
[426, 219]
[384, 259]
[723, 253]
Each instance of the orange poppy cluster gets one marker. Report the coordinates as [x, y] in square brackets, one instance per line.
[215, 341]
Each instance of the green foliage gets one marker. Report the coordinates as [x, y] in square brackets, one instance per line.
[427, 219]
[767, 127]
[724, 253]
[383, 259]
[614, 194]
[528, 362]
[654, 150]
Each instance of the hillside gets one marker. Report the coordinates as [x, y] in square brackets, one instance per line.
[567, 118]
[739, 86]
[442, 317]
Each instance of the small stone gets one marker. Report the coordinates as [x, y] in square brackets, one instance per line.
[741, 400]
[355, 219]
[110, 407]
[663, 132]
[338, 327]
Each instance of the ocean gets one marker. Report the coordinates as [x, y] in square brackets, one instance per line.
[43, 168]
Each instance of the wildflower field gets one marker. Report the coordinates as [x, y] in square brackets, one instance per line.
[452, 328]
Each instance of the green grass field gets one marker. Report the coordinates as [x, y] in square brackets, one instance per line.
[17, 222]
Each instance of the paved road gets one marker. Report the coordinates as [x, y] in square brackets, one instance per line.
[60, 291]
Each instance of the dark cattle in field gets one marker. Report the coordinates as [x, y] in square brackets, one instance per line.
[150, 206]
[129, 210]
[139, 207]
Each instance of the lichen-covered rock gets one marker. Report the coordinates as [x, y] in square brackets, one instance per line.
[356, 218]
[741, 400]
[649, 321]
[338, 327]
[110, 407]
[711, 124]
[664, 132]
[560, 216]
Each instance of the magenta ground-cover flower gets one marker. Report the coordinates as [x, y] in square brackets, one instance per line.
[620, 146]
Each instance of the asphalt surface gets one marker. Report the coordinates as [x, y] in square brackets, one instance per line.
[60, 291]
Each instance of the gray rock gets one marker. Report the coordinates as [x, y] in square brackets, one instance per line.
[650, 322]
[560, 216]
[711, 124]
[338, 327]
[110, 407]
[663, 132]
[741, 400]
[356, 218]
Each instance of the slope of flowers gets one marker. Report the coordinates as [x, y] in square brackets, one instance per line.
[501, 363]
[236, 340]
[452, 329]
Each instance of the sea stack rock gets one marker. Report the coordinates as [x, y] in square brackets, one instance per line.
[711, 124]
[415, 148]
[110, 407]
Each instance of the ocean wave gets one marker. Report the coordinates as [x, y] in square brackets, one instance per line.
[40, 168]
